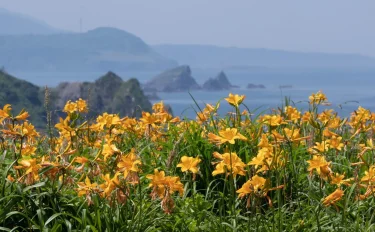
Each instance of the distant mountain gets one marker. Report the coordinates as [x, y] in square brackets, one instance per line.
[173, 80]
[107, 94]
[18, 24]
[101, 49]
[207, 56]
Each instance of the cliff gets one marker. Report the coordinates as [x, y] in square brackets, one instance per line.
[173, 80]
[220, 82]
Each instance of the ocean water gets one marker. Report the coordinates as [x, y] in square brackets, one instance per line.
[346, 88]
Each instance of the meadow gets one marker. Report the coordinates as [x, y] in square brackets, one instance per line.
[277, 170]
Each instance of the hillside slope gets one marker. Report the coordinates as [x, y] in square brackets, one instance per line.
[18, 24]
[100, 49]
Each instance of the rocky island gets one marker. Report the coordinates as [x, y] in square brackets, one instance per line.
[220, 82]
[173, 80]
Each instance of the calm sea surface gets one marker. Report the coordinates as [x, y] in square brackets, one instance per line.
[345, 88]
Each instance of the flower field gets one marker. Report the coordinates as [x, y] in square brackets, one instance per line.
[282, 170]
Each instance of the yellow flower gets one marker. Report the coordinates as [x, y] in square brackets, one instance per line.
[29, 130]
[164, 185]
[129, 163]
[335, 143]
[108, 120]
[256, 185]
[292, 113]
[369, 175]
[333, 197]
[31, 170]
[149, 119]
[317, 98]
[81, 160]
[337, 179]
[306, 116]
[319, 148]
[70, 107]
[23, 115]
[159, 107]
[235, 100]
[110, 184]
[293, 135]
[81, 106]
[189, 164]
[28, 150]
[85, 188]
[325, 116]
[6, 112]
[230, 163]
[264, 159]
[272, 120]
[64, 125]
[109, 149]
[319, 163]
[327, 133]
[264, 143]
[202, 117]
[227, 135]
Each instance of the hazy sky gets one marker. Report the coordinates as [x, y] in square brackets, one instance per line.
[301, 25]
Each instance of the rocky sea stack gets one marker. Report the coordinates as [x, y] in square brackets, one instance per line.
[220, 82]
[173, 80]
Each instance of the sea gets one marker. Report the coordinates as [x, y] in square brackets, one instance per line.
[346, 88]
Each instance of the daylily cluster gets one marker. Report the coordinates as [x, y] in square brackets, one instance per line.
[113, 157]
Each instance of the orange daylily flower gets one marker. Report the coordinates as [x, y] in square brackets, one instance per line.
[189, 164]
[335, 143]
[256, 185]
[333, 197]
[230, 163]
[227, 135]
[129, 163]
[235, 100]
[319, 163]
[317, 98]
[31, 170]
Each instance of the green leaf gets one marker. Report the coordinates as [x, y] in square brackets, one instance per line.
[34, 186]
[51, 218]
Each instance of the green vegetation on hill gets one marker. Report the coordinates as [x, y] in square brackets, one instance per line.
[22, 95]
[107, 94]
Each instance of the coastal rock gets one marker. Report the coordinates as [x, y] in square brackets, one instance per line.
[220, 82]
[173, 80]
